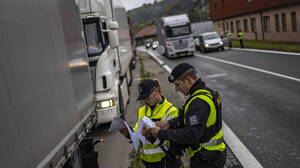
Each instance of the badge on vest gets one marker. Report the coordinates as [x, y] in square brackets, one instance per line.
[193, 120]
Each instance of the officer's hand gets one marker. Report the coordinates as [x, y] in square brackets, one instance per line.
[162, 124]
[146, 131]
[154, 131]
[124, 131]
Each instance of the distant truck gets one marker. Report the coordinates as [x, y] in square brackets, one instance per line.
[175, 36]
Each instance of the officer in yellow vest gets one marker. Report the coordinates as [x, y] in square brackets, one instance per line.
[157, 108]
[241, 36]
[200, 121]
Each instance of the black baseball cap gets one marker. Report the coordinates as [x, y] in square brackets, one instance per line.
[146, 87]
[179, 70]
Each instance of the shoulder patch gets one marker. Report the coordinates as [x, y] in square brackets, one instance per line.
[193, 120]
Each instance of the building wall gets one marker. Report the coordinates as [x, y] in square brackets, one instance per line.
[228, 8]
[260, 34]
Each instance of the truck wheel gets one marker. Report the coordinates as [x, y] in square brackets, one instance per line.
[121, 103]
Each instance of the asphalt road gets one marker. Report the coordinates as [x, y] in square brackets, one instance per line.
[260, 100]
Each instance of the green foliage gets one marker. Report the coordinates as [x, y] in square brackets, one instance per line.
[135, 161]
[149, 14]
[270, 45]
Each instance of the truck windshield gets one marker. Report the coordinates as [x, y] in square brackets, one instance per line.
[211, 36]
[178, 31]
[93, 42]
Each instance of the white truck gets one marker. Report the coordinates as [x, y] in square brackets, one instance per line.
[47, 95]
[110, 55]
[175, 36]
[47, 102]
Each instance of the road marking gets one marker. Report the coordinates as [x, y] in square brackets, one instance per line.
[267, 51]
[239, 149]
[249, 67]
[216, 75]
[244, 156]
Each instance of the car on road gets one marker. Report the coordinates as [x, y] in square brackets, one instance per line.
[148, 43]
[155, 44]
[208, 42]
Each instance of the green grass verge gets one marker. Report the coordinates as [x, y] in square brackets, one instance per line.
[270, 45]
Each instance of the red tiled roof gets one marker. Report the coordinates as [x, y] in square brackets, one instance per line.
[147, 31]
[220, 9]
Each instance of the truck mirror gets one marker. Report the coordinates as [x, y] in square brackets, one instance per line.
[113, 38]
[113, 25]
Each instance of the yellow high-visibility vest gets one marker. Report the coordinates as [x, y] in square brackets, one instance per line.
[163, 112]
[215, 143]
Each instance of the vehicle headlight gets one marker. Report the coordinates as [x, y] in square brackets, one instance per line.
[221, 42]
[105, 103]
[206, 45]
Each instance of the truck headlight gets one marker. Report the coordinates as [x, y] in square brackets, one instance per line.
[206, 45]
[221, 42]
[105, 103]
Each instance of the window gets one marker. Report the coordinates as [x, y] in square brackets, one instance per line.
[277, 24]
[223, 26]
[283, 20]
[177, 31]
[245, 21]
[238, 26]
[294, 21]
[93, 36]
[266, 24]
[231, 27]
[253, 24]
[227, 26]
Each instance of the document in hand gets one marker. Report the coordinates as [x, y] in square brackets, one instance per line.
[118, 123]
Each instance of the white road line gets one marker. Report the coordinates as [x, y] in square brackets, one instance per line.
[238, 148]
[249, 67]
[216, 75]
[267, 51]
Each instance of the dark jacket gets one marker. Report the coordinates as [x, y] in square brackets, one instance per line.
[196, 118]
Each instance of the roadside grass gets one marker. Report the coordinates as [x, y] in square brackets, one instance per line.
[269, 45]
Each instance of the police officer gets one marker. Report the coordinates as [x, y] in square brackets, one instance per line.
[228, 35]
[157, 108]
[200, 129]
[240, 36]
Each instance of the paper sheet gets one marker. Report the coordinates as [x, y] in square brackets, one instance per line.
[136, 137]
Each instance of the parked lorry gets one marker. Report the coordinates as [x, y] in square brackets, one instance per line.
[47, 100]
[110, 64]
[175, 36]
[61, 68]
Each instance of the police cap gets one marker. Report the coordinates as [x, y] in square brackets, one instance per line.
[179, 70]
[146, 87]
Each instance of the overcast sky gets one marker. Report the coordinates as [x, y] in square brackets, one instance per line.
[130, 4]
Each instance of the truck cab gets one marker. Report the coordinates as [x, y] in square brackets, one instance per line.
[106, 58]
[174, 33]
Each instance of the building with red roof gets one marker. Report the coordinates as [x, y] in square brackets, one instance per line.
[146, 33]
[277, 20]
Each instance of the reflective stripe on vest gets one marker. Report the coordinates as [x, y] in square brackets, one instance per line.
[215, 143]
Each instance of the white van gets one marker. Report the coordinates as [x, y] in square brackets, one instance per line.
[209, 41]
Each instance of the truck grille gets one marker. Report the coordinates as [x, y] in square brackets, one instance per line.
[180, 45]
